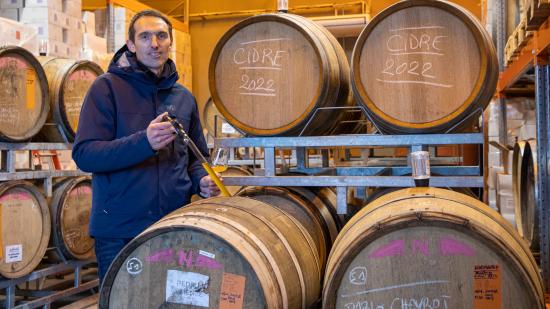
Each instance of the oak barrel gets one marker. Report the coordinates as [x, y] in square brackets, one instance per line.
[318, 218]
[214, 122]
[526, 193]
[423, 66]
[25, 228]
[23, 94]
[69, 81]
[269, 73]
[434, 247]
[70, 211]
[235, 171]
[517, 160]
[217, 253]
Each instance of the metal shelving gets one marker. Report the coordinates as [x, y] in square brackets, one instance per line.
[534, 56]
[43, 298]
[344, 177]
[9, 172]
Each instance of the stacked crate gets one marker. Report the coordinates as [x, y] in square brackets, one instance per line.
[58, 23]
[94, 47]
[181, 55]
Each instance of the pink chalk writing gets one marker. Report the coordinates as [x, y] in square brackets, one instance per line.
[421, 246]
[82, 75]
[449, 246]
[163, 256]
[185, 257]
[12, 62]
[15, 196]
[81, 191]
[394, 248]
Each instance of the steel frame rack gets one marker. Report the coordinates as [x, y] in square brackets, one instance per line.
[44, 298]
[8, 171]
[344, 177]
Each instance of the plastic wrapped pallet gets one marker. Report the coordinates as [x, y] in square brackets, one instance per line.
[15, 33]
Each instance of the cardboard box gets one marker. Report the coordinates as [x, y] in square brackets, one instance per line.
[40, 15]
[528, 131]
[73, 8]
[47, 31]
[494, 157]
[95, 43]
[18, 34]
[504, 184]
[54, 4]
[12, 14]
[492, 177]
[11, 4]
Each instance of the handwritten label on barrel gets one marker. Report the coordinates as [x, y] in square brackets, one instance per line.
[232, 291]
[487, 287]
[254, 56]
[427, 42]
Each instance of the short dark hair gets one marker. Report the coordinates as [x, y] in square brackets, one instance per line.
[153, 13]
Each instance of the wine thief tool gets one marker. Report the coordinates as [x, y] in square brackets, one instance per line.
[181, 132]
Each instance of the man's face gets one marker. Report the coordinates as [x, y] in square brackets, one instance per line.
[151, 42]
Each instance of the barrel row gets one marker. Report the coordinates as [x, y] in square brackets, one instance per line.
[29, 224]
[267, 248]
[41, 95]
[281, 74]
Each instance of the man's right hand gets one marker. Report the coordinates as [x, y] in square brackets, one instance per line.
[159, 133]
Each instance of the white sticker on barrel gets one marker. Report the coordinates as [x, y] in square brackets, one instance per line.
[228, 129]
[14, 253]
[207, 254]
[187, 288]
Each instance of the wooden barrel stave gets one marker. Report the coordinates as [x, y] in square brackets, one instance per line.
[288, 108]
[70, 209]
[25, 228]
[24, 94]
[69, 81]
[432, 240]
[398, 102]
[260, 247]
[313, 216]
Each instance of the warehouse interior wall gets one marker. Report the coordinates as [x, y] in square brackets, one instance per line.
[206, 32]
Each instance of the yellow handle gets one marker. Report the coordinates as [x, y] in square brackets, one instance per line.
[217, 180]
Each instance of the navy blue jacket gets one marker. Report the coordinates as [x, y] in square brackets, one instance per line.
[134, 186]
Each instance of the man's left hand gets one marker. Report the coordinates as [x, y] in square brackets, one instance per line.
[208, 187]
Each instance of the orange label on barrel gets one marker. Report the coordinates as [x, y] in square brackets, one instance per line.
[232, 291]
[31, 86]
[487, 287]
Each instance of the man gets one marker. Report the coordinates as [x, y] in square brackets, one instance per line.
[141, 171]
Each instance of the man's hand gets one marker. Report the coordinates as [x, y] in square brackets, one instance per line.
[160, 134]
[208, 188]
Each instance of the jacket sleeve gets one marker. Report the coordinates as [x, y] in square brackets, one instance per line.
[96, 148]
[195, 169]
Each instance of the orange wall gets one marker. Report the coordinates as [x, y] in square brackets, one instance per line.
[206, 33]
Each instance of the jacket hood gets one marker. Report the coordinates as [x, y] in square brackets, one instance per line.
[125, 65]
